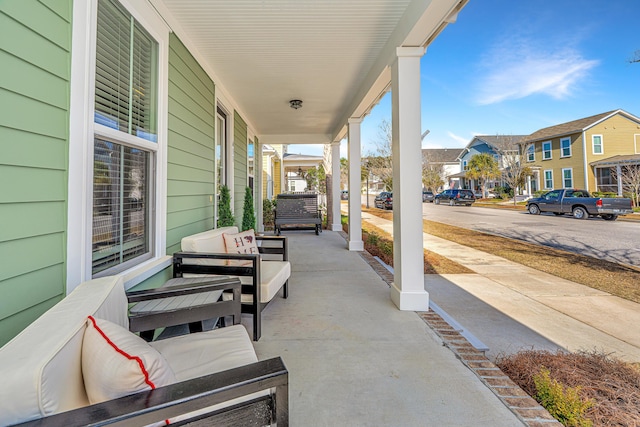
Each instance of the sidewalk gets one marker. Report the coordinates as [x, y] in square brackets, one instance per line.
[508, 306]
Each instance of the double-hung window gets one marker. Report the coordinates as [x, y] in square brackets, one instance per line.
[124, 141]
[546, 150]
[565, 147]
[548, 179]
[567, 178]
[597, 144]
[531, 153]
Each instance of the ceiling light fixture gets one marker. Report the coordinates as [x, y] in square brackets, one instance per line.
[295, 104]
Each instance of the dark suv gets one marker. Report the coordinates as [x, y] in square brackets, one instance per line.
[455, 197]
[384, 200]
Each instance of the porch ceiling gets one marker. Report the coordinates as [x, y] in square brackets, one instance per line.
[334, 55]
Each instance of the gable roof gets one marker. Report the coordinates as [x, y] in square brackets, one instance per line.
[497, 141]
[574, 126]
[441, 155]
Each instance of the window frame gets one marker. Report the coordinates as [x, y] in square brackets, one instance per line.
[83, 130]
[562, 148]
[593, 144]
[564, 178]
[531, 152]
[547, 179]
[550, 150]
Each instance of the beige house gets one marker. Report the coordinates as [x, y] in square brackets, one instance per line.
[586, 153]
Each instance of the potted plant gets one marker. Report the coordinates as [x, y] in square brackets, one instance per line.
[225, 217]
[248, 215]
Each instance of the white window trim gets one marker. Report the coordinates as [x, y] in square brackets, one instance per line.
[81, 135]
[531, 156]
[563, 178]
[593, 145]
[550, 150]
[562, 148]
[544, 178]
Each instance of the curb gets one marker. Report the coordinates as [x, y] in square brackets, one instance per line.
[528, 410]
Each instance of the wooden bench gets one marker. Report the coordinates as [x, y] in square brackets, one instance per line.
[298, 212]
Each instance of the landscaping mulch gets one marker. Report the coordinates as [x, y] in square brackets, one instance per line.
[612, 385]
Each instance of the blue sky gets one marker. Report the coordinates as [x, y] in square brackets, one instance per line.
[515, 66]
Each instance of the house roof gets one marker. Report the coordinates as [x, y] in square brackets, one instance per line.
[572, 127]
[618, 160]
[335, 56]
[441, 155]
[500, 141]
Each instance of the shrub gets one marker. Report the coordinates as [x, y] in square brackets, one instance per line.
[225, 217]
[267, 213]
[248, 213]
[564, 404]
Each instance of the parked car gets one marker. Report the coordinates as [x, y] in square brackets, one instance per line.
[455, 197]
[344, 195]
[384, 200]
[580, 204]
[427, 196]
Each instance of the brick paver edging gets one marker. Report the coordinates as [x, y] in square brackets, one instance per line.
[517, 400]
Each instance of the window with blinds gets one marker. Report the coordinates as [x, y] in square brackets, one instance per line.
[125, 102]
[126, 73]
[120, 207]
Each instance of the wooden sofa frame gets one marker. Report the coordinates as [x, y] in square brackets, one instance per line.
[196, 394]
[256, 306]
[297, 210]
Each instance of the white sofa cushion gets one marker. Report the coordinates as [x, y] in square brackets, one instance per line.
[117, 363]
[273, 275]
[41, 366]
[194, 355]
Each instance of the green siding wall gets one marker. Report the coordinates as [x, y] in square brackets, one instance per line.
[239, 165]
[190, 168]
[35, 53]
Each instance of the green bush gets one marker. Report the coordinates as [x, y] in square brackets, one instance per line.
[564, 404]
[248, 212]
[268, 214]
[225, 217]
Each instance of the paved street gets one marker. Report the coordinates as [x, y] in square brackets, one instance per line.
[612, 240]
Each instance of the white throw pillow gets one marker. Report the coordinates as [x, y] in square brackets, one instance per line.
[241, 243]
[117, 363]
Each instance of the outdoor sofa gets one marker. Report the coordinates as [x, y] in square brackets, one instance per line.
[262, 276]
[80, 352]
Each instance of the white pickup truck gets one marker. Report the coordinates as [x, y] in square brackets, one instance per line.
[580, 204]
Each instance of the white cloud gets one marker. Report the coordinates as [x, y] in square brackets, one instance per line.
[518, 69]
[461, 139]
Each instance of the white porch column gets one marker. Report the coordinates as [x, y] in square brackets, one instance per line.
[257, 183]
[336, 225]
[407, 291]
[618, 175]
[355, 202]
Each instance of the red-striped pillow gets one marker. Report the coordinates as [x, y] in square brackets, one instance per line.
[117, 363]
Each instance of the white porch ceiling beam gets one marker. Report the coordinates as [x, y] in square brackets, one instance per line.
[417, 28]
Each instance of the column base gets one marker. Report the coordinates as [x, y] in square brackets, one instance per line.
[410, 301]
[336, 227]
[356, 245]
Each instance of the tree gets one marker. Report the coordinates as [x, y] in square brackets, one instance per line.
[248, 213]
[635, 57]
[381, 161]
[483, 167]
[322, 179]
[432, 172]
[344, 173]
[630, 177]
[225, 217]
[515, 170]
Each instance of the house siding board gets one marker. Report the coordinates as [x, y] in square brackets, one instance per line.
[190, 153]
[277, 182]
[35, 46]
[239, 165]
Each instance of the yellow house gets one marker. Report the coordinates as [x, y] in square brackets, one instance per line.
[587, 153]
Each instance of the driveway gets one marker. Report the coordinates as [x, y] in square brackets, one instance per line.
[615, 241]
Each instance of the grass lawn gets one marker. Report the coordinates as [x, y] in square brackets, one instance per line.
[606, 276]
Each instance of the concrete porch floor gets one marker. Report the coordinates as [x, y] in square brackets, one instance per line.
[354, 359]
